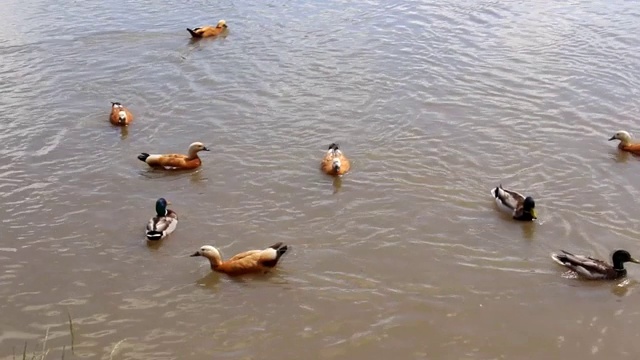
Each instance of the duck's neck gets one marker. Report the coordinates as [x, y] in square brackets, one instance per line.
[618, 266]
[193, 155]
[215, 261]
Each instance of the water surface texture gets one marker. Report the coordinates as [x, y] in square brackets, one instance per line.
[406, 257]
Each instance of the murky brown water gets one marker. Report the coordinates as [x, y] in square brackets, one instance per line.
[408, 258]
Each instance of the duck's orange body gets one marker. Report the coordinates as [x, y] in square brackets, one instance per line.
[208, 31]
[334, 162]
[248, 262]
[633, 148]
[175, 161]
[120, 115]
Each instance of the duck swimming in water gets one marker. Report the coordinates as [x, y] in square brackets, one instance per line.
[519, 207]
[120, 115]
[208, 31]
[334, 162]
[163, 224]
[626, 142]
[252, 261]
[175, 161]
[595, 269]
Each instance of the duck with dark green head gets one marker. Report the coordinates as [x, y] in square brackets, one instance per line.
[517, 205]
[595, 269]
[163, 224]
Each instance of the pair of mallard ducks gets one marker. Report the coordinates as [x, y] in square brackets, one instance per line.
[523, 208]
[252, 261]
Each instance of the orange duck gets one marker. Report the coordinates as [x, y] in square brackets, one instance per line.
[626, 143]
[334, 162]
[248, 262]
[175, 161]
[120, 115]
[208, 31]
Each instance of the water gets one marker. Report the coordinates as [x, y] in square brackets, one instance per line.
[407, 256]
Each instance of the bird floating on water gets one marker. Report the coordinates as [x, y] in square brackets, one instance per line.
[595, 269]
[519, 207]
[252, 261]
[175, 161]
[334, 162]
[626, 142]
[120, 115]
[164, 223]
[208, 31]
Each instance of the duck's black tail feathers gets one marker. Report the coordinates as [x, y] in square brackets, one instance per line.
[143, 157]
[153, 235]
[334, 146]
[281, 252]
[193, 33]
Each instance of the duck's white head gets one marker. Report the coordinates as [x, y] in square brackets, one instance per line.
[195, 147]
[622, 136]
[221, 24]
[209, 252]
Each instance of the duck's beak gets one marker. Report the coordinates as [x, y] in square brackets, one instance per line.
[633, 260]
[534, 214]
[205, 148]
[197, 253]
[612, 138]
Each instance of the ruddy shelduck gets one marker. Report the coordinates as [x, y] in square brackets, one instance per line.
[515, 204]
[208, 31]
[591, 268]
[164, 223]
[176, 161]
[120, 115]
[626, 143]
[248, 262]
[334, 162]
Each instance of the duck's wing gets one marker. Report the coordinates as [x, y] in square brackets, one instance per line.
[508, 199]
[634, 148]
[162, 224]
[243, 255]
[327, 162]
[586, 266]
[345, 164]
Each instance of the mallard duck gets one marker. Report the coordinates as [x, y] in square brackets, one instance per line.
[520, 207]
[208, 31]
[120, 115]
[252, 261]
[626, 143]
[176, 161]
[163, 223]
[334, 162]
[594, 269]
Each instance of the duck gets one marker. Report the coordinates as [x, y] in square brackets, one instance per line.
[208, 30]
[595, 269]
[120, 115]
[248, 262]
[334, 162]
[520, 207]
[175, 161]
[163, 224]
[626, 142]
